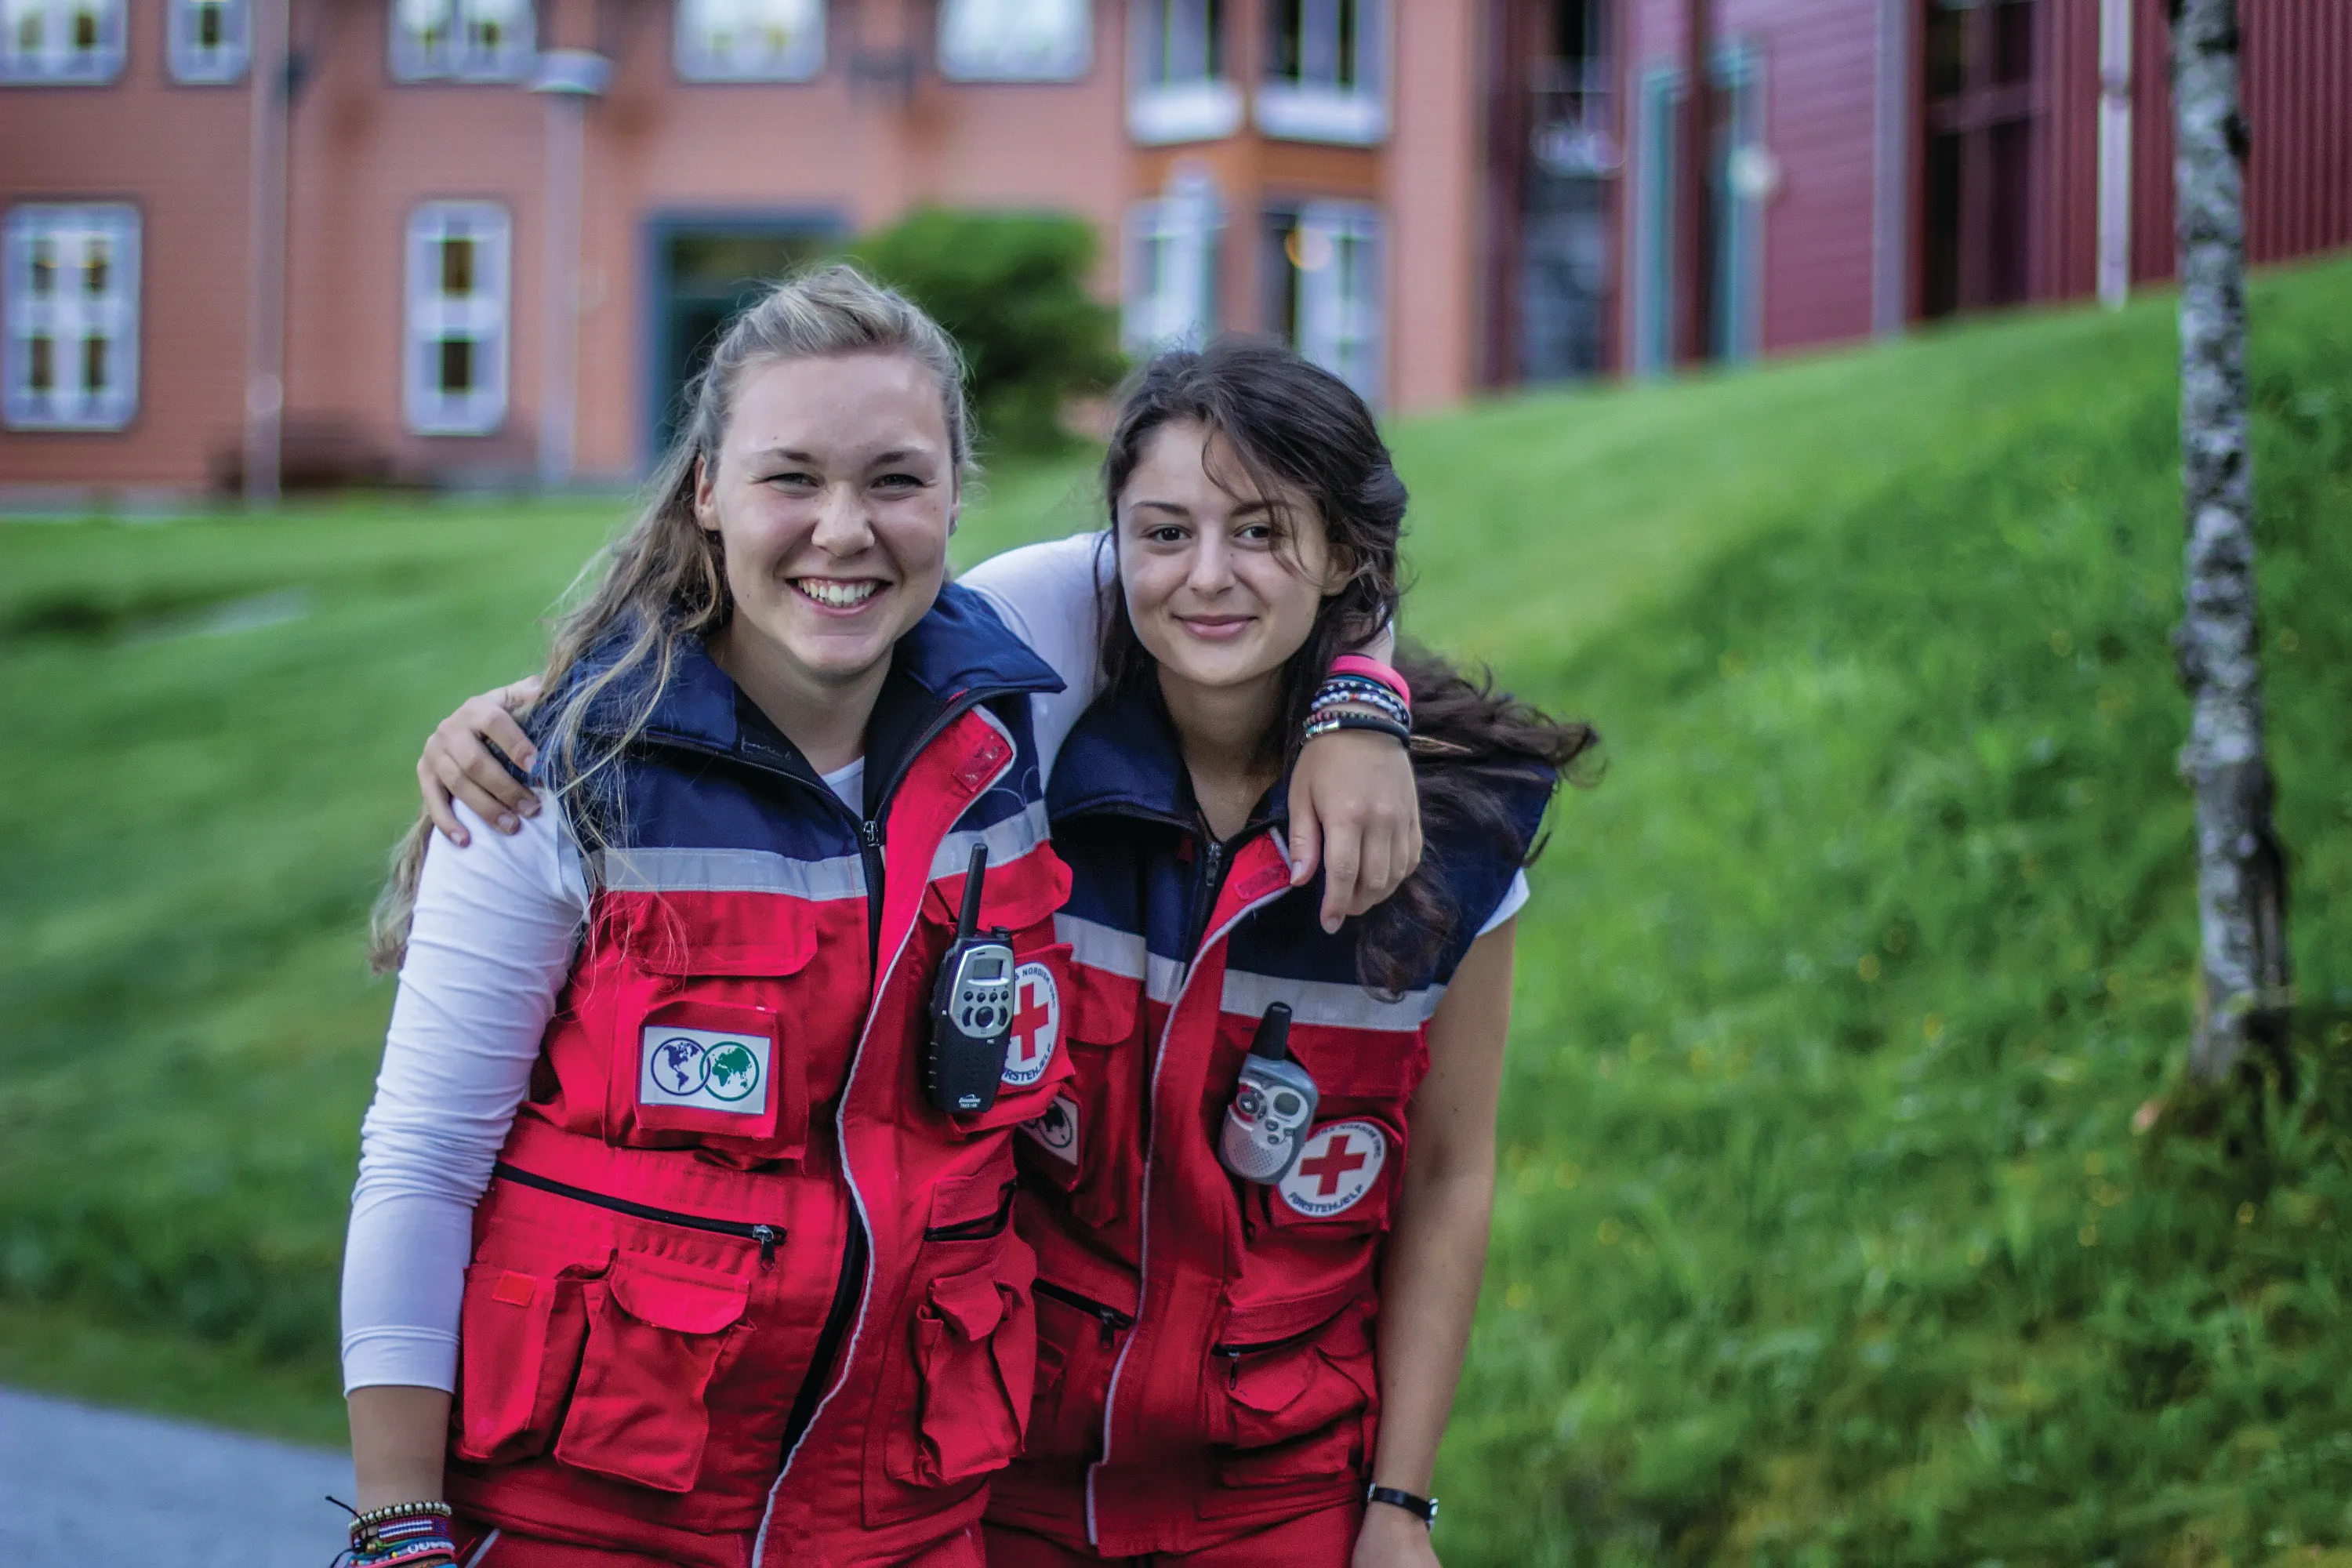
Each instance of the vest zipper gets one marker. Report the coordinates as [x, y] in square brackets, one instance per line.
[850, 1282]
[1112, 1319]
[767, 1235]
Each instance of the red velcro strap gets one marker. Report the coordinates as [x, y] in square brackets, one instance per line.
[515, 1290]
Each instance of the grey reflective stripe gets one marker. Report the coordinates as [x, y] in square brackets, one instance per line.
[729, 872]
[1324, 1002]
[1119, 952]
[1007, 841]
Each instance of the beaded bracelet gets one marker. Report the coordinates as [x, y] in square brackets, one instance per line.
[1325, 723]
[1378, 700]
[1379, 691]
[402, 1535]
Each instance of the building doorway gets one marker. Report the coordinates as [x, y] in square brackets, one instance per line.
[1566, 232]
[1982, 66]
[703, 271]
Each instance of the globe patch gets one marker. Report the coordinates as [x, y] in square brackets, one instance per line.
[1036, 1026]
[1338, 1166]
[703, 1070]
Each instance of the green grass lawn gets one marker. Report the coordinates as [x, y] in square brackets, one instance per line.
[1824, 1236]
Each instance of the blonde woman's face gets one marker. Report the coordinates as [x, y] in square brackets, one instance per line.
[832, 498]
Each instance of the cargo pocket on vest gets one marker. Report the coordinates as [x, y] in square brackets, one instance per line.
[1087, 1139]
[653, 1343]
[974, 1349]
[1293, 1408]
[708, 1051]
[518, 1346]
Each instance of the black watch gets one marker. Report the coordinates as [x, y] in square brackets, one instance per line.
[1423, 1509]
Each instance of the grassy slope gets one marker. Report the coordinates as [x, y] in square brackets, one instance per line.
[1791, 1263]
[1825, 1236]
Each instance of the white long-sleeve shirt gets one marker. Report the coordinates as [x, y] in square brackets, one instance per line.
[496, 928]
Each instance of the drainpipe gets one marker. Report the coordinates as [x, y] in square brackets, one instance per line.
[2114, 151]
[1694, 193]
[1890, 227]
[567, 79]
[265, 333]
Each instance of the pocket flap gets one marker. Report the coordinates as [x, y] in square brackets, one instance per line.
[970, 1301]
[752, 934]
[1019, 894]
[1102, 1006]
[1268, 1383]
[667, 1296]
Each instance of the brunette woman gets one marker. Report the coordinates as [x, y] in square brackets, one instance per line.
[1249, 1359]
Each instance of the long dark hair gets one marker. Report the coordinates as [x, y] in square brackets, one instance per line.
[1475, 750]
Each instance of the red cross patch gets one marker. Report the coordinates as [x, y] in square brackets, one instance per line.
[1338, 1166]
[1036, 1026]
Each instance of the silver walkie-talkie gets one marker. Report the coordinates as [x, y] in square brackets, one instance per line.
[1273, 1109]
[971, 1008]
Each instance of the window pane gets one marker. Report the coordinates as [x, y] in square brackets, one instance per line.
[45, 266]
[210, 27]
[457, 365]
[94, 267]
[1346, 63]
[1287, 45]
[457, 265]
[85, 32]
[43, 373]
[93, 363]
[28, 32]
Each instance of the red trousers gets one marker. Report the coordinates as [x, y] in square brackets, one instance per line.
[480, 1548]
[1324, 1539]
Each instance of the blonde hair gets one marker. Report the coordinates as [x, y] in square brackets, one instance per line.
[665, 579]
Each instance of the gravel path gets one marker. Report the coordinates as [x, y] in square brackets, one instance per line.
[100, 1488]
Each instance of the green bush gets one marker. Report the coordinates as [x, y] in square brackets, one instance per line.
[1012, 287]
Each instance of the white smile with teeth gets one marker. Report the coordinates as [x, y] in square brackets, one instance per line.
[837, 595]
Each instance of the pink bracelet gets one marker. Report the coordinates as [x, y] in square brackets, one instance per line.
[1373, 670]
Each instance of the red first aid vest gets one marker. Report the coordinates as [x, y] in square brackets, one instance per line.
[1205, 1345]
[739, 1294]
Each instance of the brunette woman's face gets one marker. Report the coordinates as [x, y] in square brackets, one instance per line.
[833, 496]
[1222, 581]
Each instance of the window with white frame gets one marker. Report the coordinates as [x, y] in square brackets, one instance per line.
[1325, 71]
[208, 40]
[456, 379]
[750, 40]
[463, 41]
[1177, 87]
[1015, 40]
[1325, 294]
[60, 40]
[70, 358]
[1170, 299]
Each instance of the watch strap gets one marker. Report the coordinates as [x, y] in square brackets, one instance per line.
[1423, 1509]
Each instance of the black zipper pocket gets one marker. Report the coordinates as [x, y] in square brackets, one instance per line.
[981, 1229]
[1234, 1353]
[767, 1235]
[1111, 1318]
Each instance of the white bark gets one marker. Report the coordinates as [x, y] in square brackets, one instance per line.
[2240, 876]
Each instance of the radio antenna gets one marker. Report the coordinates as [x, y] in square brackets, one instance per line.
[969, 920]
[1272, 1042]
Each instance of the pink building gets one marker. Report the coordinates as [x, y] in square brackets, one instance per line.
[507, 225]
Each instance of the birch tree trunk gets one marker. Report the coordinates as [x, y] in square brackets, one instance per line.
[2240, 873]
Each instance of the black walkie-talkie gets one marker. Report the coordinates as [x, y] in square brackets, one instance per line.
[971, 1007]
